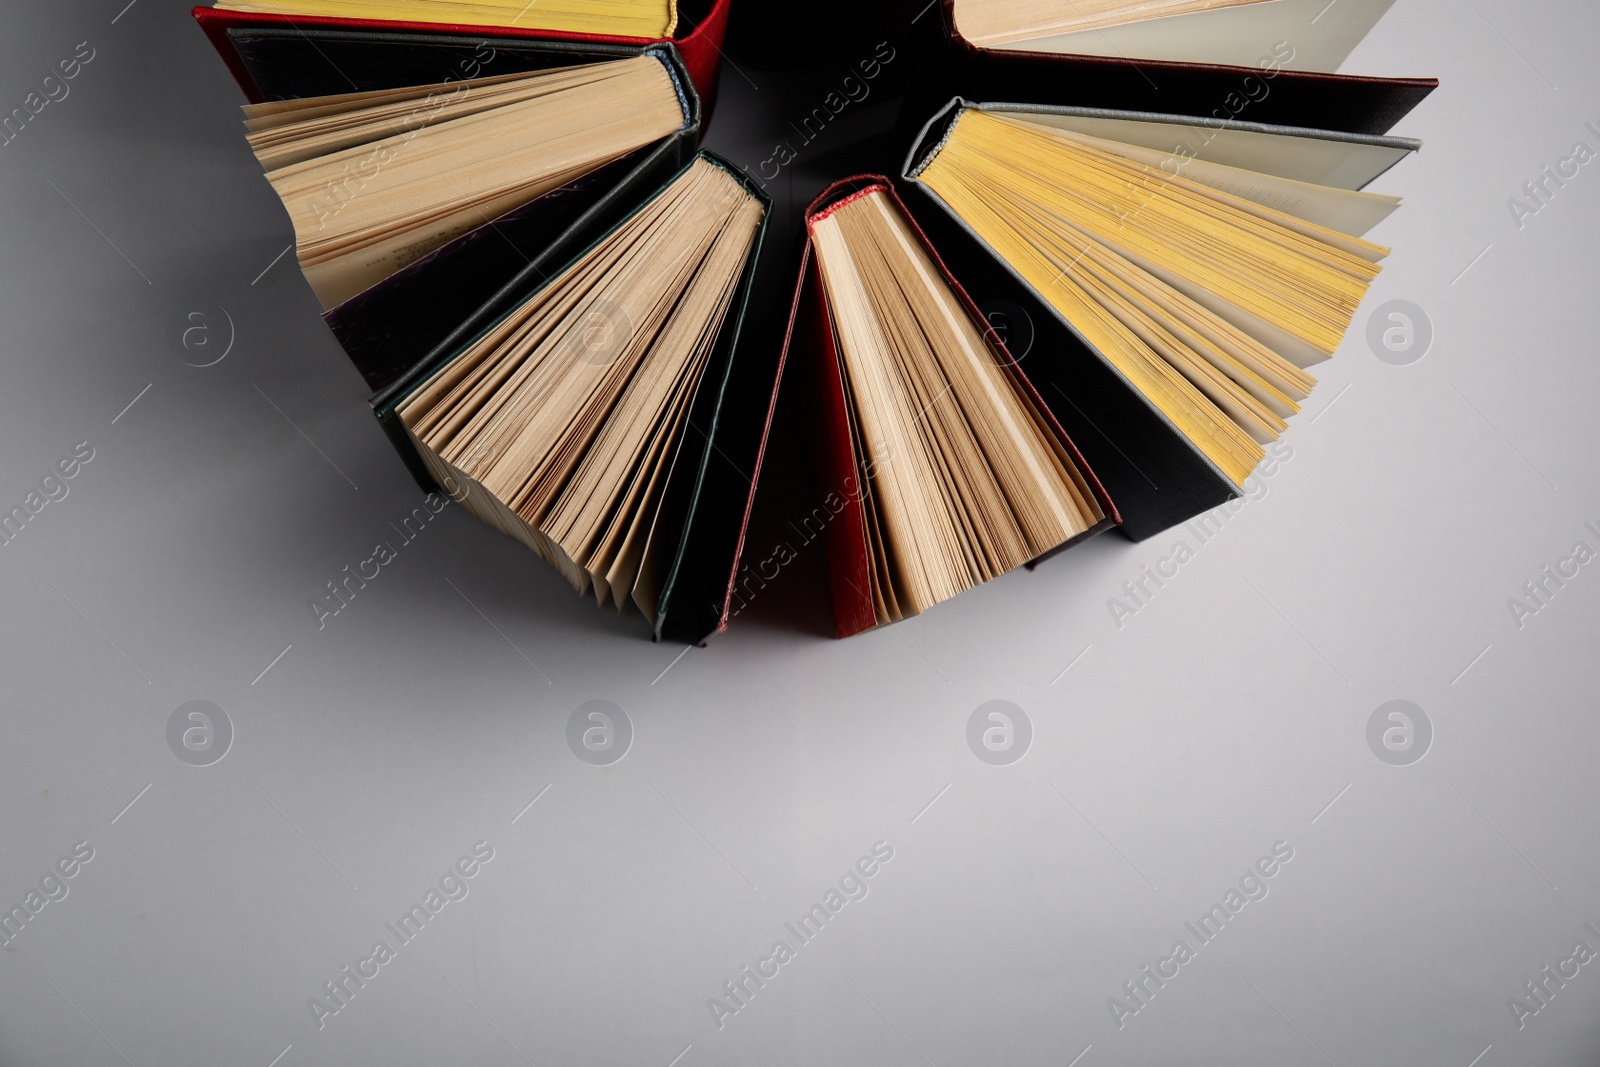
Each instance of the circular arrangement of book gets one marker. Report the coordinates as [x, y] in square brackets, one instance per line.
[505, 214]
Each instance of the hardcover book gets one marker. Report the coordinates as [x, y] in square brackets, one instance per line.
[1177, 278]
[319, 47]
[584, 413]
[940, 466]
[373, 181]
[341, 162]
[1265, 61]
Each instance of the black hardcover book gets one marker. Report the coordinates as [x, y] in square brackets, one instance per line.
[709, 481]
[1156, 475]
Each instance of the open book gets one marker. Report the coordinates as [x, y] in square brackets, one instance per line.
[375, 180]
[942, 468]
[1305, 34]
[1266, 61]
[580, 421]
[275, 53]
[1206, 265]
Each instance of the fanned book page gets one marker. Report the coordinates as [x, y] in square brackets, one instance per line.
[963, 477]
[374, 181]
[621, 18]
[1204, 297]
[993, 23]
[1290, 34]
[566, 422]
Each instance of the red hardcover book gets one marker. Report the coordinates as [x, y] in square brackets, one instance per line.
[811, 340]
[698, 39]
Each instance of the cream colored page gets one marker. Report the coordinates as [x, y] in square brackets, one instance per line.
[994, 23]
[914, 521]
[1292, 34]
[1024, 441]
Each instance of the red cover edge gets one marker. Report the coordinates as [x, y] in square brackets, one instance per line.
[761, 455]
[853, 551]
[845, 536]
[701, 47]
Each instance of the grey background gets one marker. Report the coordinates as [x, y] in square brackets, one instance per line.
[1167, 755]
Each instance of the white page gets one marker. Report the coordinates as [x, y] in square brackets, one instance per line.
[1321, 34]
[1342, 210]
[1320, 161]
